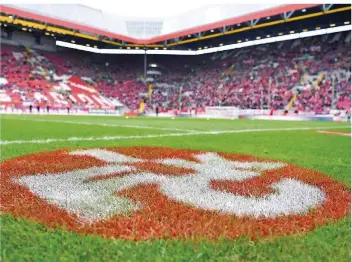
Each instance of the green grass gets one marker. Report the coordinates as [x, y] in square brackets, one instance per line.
[23, 240]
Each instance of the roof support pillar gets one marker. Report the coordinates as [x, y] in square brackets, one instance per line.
[145, 66]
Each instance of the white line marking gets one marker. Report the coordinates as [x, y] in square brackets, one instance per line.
[334, 133]
[109, 125]
[70, 139]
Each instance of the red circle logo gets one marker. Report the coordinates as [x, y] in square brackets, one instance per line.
[143, 193]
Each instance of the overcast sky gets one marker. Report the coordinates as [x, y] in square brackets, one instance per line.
[158, 8]
[152, 8]
[166, 8]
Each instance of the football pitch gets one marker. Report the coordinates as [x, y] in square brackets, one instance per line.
[26, 236]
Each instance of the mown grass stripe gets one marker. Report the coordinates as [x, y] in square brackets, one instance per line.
[70, 139]
[109, 125]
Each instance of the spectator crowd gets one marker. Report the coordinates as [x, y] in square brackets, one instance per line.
[309, 75]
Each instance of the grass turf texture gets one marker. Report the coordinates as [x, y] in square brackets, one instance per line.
[23, 240]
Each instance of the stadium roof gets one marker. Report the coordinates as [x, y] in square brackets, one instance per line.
[97, 23]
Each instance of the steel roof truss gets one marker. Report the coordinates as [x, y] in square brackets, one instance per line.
[327, 7]
[287, 15]
[253, 22]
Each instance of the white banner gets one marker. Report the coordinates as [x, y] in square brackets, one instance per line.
[229, 111]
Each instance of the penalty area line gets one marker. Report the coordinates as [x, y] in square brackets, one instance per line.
[107, 138]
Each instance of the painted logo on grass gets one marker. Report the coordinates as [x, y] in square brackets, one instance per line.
[145, 192]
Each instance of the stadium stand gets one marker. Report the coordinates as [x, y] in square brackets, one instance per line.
[309, 75]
